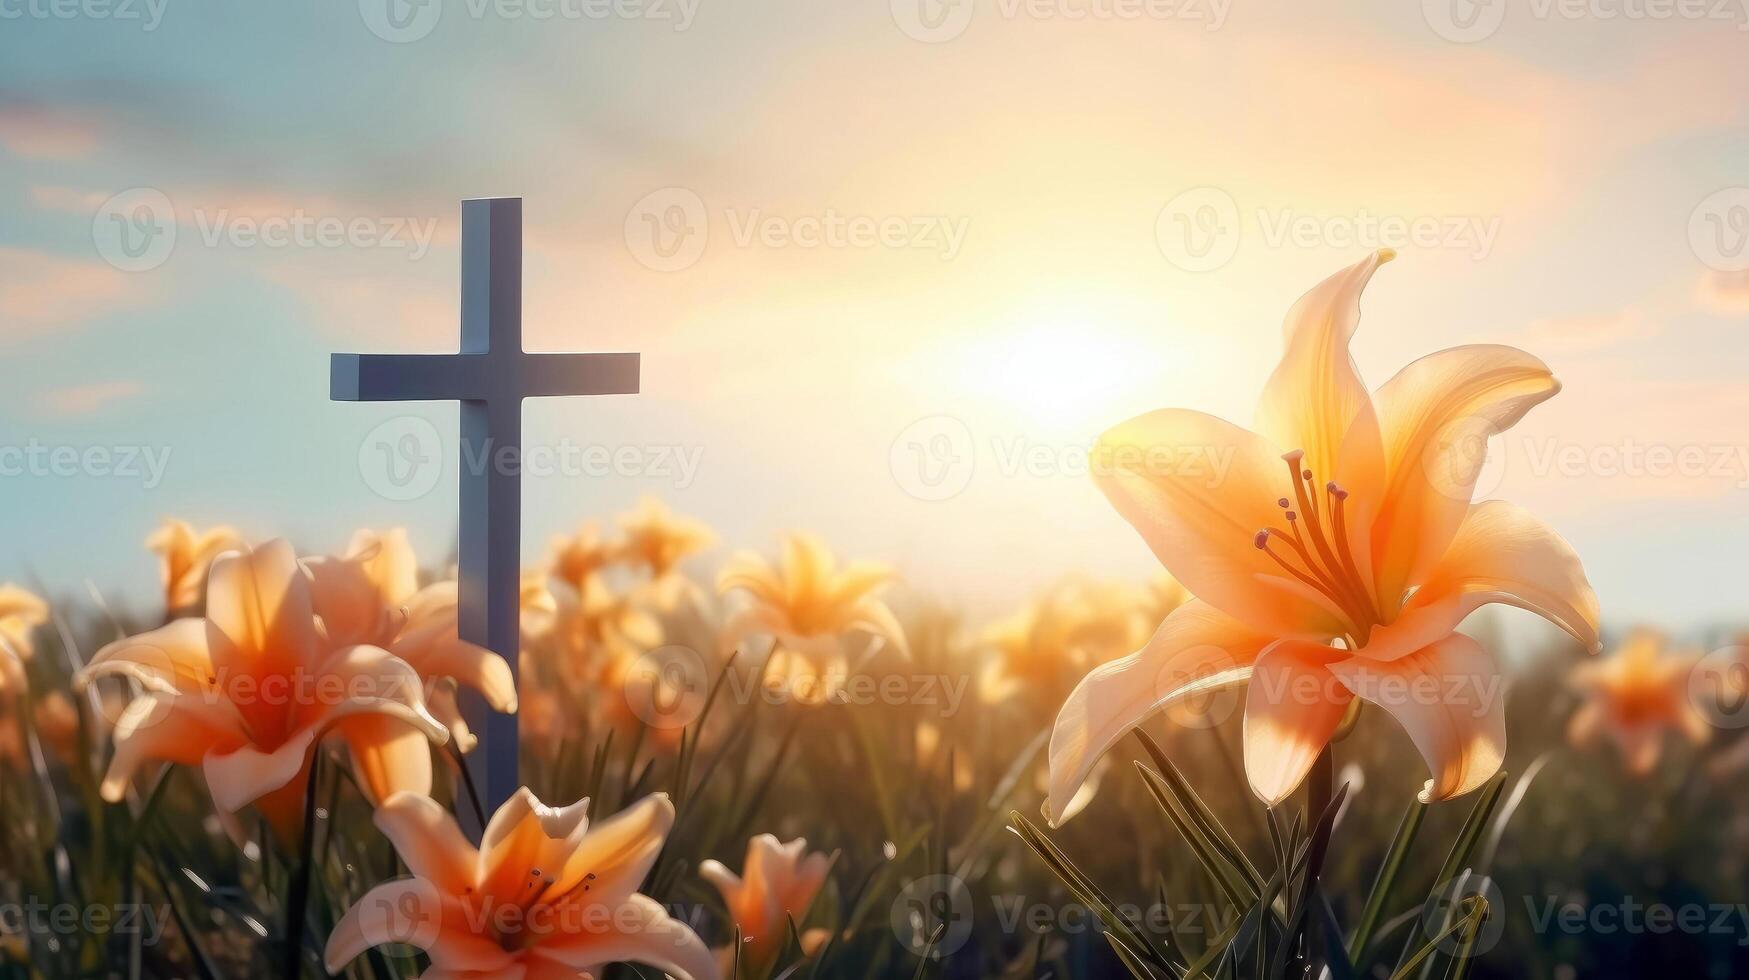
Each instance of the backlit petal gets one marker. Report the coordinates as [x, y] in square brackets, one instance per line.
[1315, 401]
[1198, 489]
[640, 931]
[1292, 707]
[1197, 648]
[1437, 415]
[1450, 698]
[1503, 554]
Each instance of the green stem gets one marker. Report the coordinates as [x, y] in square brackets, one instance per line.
[298, 901]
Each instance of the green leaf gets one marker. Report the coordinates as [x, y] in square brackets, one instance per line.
[1084, 888]
[1386, 880]
[1199, 813]
[1466, 840]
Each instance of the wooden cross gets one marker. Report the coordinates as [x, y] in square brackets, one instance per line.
[490, 376]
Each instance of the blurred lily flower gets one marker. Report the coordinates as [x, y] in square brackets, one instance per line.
[247, 691]
[21, 612]
[372, 596]
[185, 555]
[583, 556]
[1075, 626]
[1635, 695]
[1332, 552]
[545, 896]
[932, 755]
[658, 541]
[808, 605]
[57, 724]
[777, 884]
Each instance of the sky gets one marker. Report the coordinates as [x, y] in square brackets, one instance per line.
[892, 265]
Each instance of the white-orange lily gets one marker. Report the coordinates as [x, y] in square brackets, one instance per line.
[246, 692]
[1332, 552]
[372, 596]
[777, 885]
[184, 556]
[1054, 641]
[21, 612]
[657, 540]
[1635, 695]
[808, 606]
[546, 895]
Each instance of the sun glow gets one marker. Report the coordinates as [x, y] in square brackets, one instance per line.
[1061, 375]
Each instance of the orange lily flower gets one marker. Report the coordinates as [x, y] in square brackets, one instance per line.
[582, 556]
[1332, 553]
[546, 896]
[659, 541]
[185, 555]
[247, 691]
[1636, 695]
[777, 884]
[372, 596]
[808, 605]
[57, 725]
[21, 612]
[1076, 625]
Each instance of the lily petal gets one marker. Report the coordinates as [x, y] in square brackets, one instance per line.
[643, 932]
[1316, 401]
[1292, 708]
[1197, 648]
[1198, 489]
[1450, 698]
[428, 840]
[1437, 415]
[1503, 554]
[259, 616]
[618, 853]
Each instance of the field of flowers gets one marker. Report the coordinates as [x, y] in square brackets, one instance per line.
[1279, 760]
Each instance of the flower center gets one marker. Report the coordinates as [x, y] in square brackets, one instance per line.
[1314, 547]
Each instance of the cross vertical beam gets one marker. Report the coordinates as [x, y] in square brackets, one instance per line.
[491, 480]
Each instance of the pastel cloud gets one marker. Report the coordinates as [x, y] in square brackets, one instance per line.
[45, 133]
[88, 399]
[1725, 292]
[41, 292]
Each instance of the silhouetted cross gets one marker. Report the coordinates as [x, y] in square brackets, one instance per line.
[490, 376]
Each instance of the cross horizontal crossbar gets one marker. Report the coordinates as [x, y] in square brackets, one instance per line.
[479, 377]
